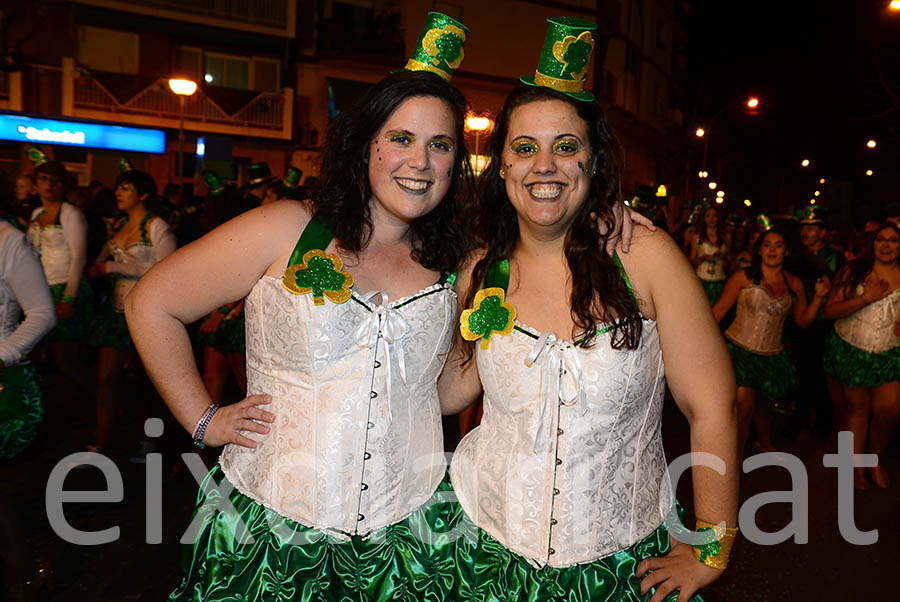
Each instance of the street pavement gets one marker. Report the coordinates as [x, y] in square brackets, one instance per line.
[825, 568]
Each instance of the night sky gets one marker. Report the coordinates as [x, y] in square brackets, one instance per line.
[814, 67]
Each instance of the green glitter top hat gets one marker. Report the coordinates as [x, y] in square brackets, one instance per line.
[125, 164]
[566, 57]
[292, 180]
[36, 156]
[215, 185]
[764, 222]
[440, 47]
[813, 215]
[259, 173]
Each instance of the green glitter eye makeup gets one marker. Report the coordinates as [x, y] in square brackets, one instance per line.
[400, 137]
[442, 143]
[566, 146]
[523, 146]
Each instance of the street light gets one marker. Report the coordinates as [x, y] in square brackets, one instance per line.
[700, 132]
[712, 185]
[720, 194]
[719, 200]
[805, 163]
[703, 174]
[181, 87]
[747, 202]
[816, 193]
[871, 144]
[753, 103]
[822, 181]
[812, 201]
[477, 124]
[894, 5]
[869, 172]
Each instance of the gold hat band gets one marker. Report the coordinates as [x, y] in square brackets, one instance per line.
[562, 85]
[414, 65]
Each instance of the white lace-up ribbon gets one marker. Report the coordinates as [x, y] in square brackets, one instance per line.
[560, 383]
[392, 326]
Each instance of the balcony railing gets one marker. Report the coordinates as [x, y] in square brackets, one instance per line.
[151, 103]
[273, 17]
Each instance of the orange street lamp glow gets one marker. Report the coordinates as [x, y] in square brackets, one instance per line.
[700, 132]
[720, 200]
[895, 5]
[712, 185]
[183, 87]
[720, 194]
[869, 172]
[478, 124]
[816, 193]
[702, 174]
[747, 202]
[822, 181]
[753, 103]
[805, 163]
[812, 201]
[871, 144]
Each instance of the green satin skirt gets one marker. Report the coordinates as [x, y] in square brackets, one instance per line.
[774, 376]
[109, 329]
[489, 572]
[21, 408]
[854, 367]
[410, 561]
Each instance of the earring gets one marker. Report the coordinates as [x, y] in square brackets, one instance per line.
[502, 173]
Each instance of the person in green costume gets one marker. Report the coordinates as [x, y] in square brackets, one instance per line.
[564, 477]
[863, 351]
[709, 254]
[765, 295]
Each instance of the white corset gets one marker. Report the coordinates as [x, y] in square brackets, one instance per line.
[10, 312]
[759, 321]
[872, 328]
[711, 270]
[567, 465]
[55, 255]
[137, 253]
[357, 442]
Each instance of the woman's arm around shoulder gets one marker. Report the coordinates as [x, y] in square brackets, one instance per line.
[208, 273]
[699, 374]
[459, 385]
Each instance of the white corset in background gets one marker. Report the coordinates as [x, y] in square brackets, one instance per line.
[711, 270]
[357, 442]
[137, 253]
[759, 320]
[55, 254]
[872, 328]
[583, 422]
[10, 311]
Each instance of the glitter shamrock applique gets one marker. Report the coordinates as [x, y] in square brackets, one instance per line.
[575, 54]
[708, 549]
[321, 275]
[490, 314]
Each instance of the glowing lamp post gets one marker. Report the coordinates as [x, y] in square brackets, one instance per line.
[183, 88]
[477, 125]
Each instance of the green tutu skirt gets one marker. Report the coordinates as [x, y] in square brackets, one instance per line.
[21, 408]
[228, 338]
[109, 329]
[74, 328]
[713, 289]
[410, 561]
[491, 573]
[774, 376]
[854, 367]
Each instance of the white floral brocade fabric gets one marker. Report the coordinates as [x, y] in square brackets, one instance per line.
[567, 465]
[872, 328]
[357, 442]
[759, 320]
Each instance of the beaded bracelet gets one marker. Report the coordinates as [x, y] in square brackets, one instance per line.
[200, 429]
[716, 552]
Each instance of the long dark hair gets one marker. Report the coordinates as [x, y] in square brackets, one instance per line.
[702, 228]
[439, 240]
[855, 272]
[754, 272]
[599, 293]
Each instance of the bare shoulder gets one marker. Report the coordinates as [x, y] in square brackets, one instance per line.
[794, 282]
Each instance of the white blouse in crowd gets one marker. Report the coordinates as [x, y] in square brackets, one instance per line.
[133, 261]
[872, 328]
[759, 320]
[357, 442]
[63, 246]
[23, 287]
[711, 269]
[567, 465]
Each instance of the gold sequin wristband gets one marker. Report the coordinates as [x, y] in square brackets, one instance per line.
[716, 552]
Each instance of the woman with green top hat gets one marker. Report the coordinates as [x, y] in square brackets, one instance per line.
[863, 352]
[335, 455]
[58, 230]
[565, 477]
[136, 241]
[765, 295]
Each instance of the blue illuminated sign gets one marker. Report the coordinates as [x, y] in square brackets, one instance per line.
[89, 135]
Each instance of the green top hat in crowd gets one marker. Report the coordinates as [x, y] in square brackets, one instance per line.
[566, 57]
[214, 183]
[36, 155]
[440, 47]
[125, 164]
[814, 215]
[292, 180]
[259, 173]
[764, 223]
